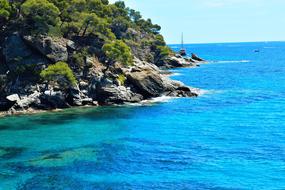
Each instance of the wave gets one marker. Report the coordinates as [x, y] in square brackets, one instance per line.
[162, 99]
[269, 47]
[176, 74]
[233, 61]
[158, 99]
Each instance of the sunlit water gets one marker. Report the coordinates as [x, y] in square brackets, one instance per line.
[232, 137]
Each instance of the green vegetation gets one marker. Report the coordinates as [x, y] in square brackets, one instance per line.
[5, 12]
[5, 9]
[59, 73]
[122, 79]
[108, 32]
[40, 15]
[118, 51]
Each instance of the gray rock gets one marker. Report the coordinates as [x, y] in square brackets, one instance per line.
[17, 53]
[172, 62]
[55, 49]
[83, 85]
[112, 94]
[178, 56]
[87, 101]
[53, 100]
[13, 98]
[196, 58]
[27, 101]
[147, 83]
[183, 91]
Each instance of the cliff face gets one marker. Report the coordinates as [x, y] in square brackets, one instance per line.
[41, 71]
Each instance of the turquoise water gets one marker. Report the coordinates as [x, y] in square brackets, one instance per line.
[232, 137]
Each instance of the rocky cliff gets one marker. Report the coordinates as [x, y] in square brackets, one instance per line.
[96, 84]
[59, 54]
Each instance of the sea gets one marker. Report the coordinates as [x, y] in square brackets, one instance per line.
[231, 137]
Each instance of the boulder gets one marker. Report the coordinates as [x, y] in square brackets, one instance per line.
[112, 94]
[17, 53]
[26, 102]
[196, 58]
[182, 92]
[13, 98]
[147, 83]
[5, 104]
[176, 61]
[53, 100]
[55, 49]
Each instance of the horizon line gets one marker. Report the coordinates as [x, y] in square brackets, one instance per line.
[227, 42]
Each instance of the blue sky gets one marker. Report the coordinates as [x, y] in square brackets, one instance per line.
[208, 21]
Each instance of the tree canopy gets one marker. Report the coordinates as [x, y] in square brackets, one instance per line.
[118, 51]
[115, 25]
[59, 73]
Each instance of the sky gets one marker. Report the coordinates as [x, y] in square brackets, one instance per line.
[211, 21]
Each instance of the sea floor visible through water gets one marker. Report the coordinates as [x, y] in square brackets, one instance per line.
[231, 137]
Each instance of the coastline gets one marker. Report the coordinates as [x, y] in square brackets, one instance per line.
[166, 74]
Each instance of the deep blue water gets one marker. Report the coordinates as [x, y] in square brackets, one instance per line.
[232, 137]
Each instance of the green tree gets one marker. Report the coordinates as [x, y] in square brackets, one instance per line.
[118, 51]
[40, 15]
[135, 16]
[59, 73]
[119, 26]
[105, 2]
[92, 24]
[5, 11]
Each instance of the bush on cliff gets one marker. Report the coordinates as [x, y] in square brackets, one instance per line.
[118, 51]
[40, 15]
[59, 73]
[5, 9]
[110, 32]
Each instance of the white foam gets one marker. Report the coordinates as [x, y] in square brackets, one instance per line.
[269, 47]
[158, 99]
[239, 61]
[176, 74]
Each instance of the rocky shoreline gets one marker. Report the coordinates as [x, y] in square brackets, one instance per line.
[57, 55]
[109, 95]
[141, 81]
[97, 85]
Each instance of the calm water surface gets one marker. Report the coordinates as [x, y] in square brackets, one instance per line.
[232, 137]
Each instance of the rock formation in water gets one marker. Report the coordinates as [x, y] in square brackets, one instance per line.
[93, 53]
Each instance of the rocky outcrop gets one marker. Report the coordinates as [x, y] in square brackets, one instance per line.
[179, 61]
[97, 83]
[17, 53]
[147, 83]
[196, 58]
[52, 100]
[55, 49]
[112, 94]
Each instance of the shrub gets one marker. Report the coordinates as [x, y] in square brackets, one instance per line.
[118, 51]
[60, 73]
[40, 15]
[5, 9]
[79, 58]
[122, 79]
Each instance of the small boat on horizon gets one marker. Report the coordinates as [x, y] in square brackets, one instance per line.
[182, 51]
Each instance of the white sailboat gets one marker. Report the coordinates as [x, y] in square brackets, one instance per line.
[182, 50]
